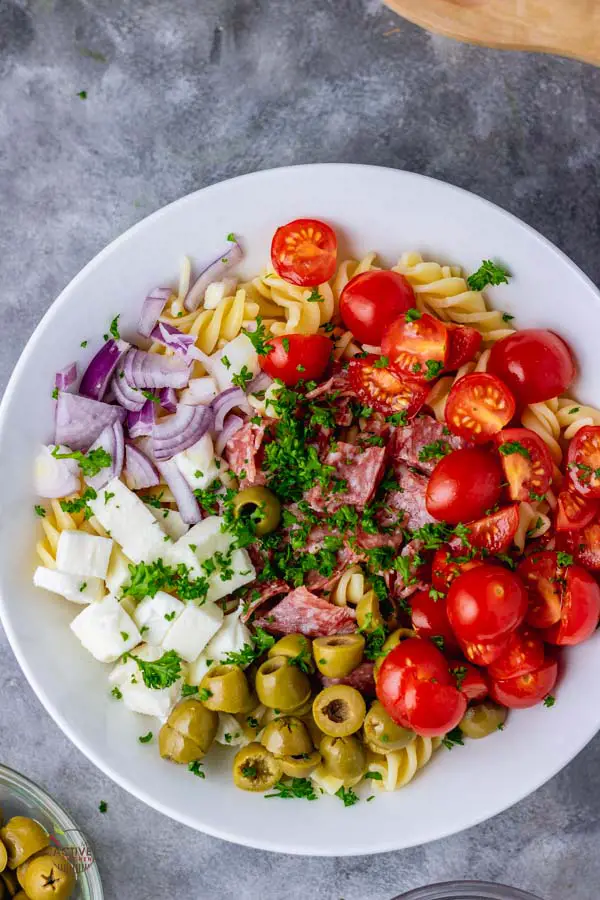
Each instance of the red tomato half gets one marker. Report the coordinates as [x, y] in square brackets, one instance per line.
[583, 461]
[574, 511]
[541, 575]
[580, 609]
[429, 619]
[297, 357]
[384, 390]
[416, 348]
[526, 690]
[495, 532]
[304, 252]
[444, 568]
[371, 301]
[470, 681]
[583, 544]
[483, 653]
[478, 407]
[463, 343]
[486, 604]
[524, 653]
[535, 364]
[526, 462]
[463, 486]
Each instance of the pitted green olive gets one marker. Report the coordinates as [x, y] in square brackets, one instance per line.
[255, 769]
[343, 757]
[338, 655]
[300, 766]
[382, 734]
[188, 733]
[368, 613]
[287, 736]
[22, 838]
[482, 719]
[261, 505]
[280, 685]
[3, 857]
[225, 689]
[339, 710]
[294, 646]
[50, 876]
[392, 640]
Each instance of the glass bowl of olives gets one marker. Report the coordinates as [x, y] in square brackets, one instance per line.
[42, 851]
[467, 890]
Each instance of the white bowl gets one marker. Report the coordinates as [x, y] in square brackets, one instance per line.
[370, 208]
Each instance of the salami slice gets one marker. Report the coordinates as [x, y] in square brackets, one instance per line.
[302, 612]
[338, 383]
[242, 454]
[409, 443]
[360, 470]
[253, 602]
[361, 678]
[410, 498]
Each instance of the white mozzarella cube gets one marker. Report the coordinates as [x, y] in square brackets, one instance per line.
[171, 522]
[83, 554]
[105, 629]
[200, 543]
[149, 702]
[231, 637]
[217, 291]
[200, 391]
[191, 632]
[229, 731]
[155, 615]
[198, 669]
[197, 463]
[243, 573]
[75, 588]
[118, 574]
[129, 521]
[128, 670]
[230, 361]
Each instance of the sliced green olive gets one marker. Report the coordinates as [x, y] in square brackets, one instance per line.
[343, 757]
[255, 769]
[280, 685]
[287, 736]
[3, 857]
[339, 710]
[368, 613]
[382, 734]
[22, 838]
[300, 766]
[188, 733]
[338, 655]
[261, 505]
[294, 646]
[392, 640]
[482, 719]
[228, 690]
[313, 729]
[50, 876]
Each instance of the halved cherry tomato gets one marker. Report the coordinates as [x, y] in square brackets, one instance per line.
[478, 407]
[297, 357]
[584, 544]
[470, 681]
[429, 619]
[372, 300]
[416, 688]
[495, 532]
[583, 461]
[444, 568]
[304, 252]
[482, 653]
[542, 576]
[463, 343]
[463, 485]
[416, 347]
[526, 690]
[384, 390]
[580, 609]
[534, 363]
[526, 462]
[486, 604]
[524, 653]
[574, 511]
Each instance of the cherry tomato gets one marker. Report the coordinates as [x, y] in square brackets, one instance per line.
[371, 301]
[385, 391]
[574, 511]
[524, 653]
[470, 681]
[584, 544]
[486, 604]
[482, 653]
[526, 690]
[463, 486]
[417, 690]
[416, 348]
[429, 619]
[297, 357]
[541, 575]
[526, 462]
[535, 364]
[463, 343]
[304, 252]
[580, 609]
[444, 568]
[583, 461]
[495, 532]
[478, 407]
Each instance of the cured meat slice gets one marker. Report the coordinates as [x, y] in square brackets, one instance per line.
[409, 441]
[361, 678]
[360, 470]
[252, 602]
[302, 612]
[410, 498]
[242, 454]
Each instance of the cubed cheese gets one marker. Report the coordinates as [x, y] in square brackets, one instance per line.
[105, 629]
[170, 521]
[201, 542]
[129, 521]
[128, 670]
[230, 638]
[217, 291]
[155, 615]
[243, 572]
[191, 632]
[83, 554]
[71, 587]
[118, 574]
[238, 353]
[136, 696]
[229, 731]
[199, 392]
[197, 463]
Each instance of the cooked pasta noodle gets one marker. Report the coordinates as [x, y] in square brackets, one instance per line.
[286, 308]
[212, 328]
[542, 418]
[533, 523]
[572, 416]
[348, 269]
[350, 588]
[398, 768]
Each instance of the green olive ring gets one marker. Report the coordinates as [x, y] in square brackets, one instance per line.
[280, 685]
[293, 646]
[382, 734]
[226, 690]
[287, 736]
[483, 719]
[300, 766]
[368, 613]
[188, 733]
[343, 757]
[339, 710]
[255, 769]
[260, 503]
[22, 838]
[338, 655]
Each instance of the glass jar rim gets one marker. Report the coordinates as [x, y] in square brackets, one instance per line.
[466, 890]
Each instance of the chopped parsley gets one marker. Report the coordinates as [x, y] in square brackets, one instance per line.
[347, 796]
[189, 690]
[460, 673]
[103, 806]
[574, 410]
[124, 634]
[487, 273]
[152, 499]
[249, 771]
[315, 297]
[195, 768]
[231, 237]
[243, 379]
[438, 640]
[564, 559]
[116, 693]
[83, 96]
[150, 395]
[374, 776]
[399, 418]
[549, 701]
[80, 503]
[55, 394]
[297, 788]
[412, 315]
[510, 447]
[146, 579]
[226, 362]
[114, 328]
[204, 694]
[506, 317]
[435, 450]
[261, 642]
[39, 511]
[302, 660]
[433, 369]
[374, 641]
[160, 673]
[381, 363]
[453, 738]
[90, 463]
[146, 738]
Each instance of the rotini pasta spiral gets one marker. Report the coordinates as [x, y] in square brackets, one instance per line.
[348, 269]
[533, 523]
[542, 418]
[398, 768]
[350, 588]
[287, 308]
[572, 416]
[212, 328]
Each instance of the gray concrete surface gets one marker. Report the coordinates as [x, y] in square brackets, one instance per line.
[182, 93]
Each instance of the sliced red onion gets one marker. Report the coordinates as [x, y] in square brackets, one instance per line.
[110, 439]
[199, 392]
[176, 433]
[151, 309]
[187, 504]
[66, 378]
[99, 372]
[139, 471]
[232, 425]
[55, 477]
[261, 382]
[168, 399]
[125, 395]
[225, 402]
[151, 370]
[80, 420]
[213, 272]
[140, 423]
[171, 337]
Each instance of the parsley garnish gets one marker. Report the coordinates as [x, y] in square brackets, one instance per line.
[438, 640]
[487, 273]
[80, 503]
[453, 738]
[103, 806]
[225, 361]
[514, 447]
[285, 343]
[564, 559]
[506, 317]
[399, 418]
[259, 338]
[302, 660]
[151, 499]
[434, 367]
[374, 776]
[374, 642]
[315, 297]
[160, 673]
[146, 579]
[299, 788]
[347, 796]
[114, 327]
[249, 771]
[549, 701]
[116, 692]
[39, 511]
[459, 673]
[243, 378]
[231, 237]
[146, 738]
[150, 395]
[189, 690]
[196, 769]
[574, 410]
[261, 642]
[83, 96]
[55, 394]
[381, 363]
[412, 315]
[90, 463]
[204, 694]
[435, 450]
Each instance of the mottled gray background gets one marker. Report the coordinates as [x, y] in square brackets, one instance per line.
[182, 93]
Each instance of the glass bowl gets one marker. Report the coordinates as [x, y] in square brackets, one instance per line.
[21, 797]
[467, 890]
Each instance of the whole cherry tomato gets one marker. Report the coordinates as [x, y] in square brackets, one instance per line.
[297, 357]
[429, 619]
[478, 407]
[486, 604]
[445, 568]
[463, 486]
[304, 252]
[526, 690]
[535, 364]
[371, 301]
